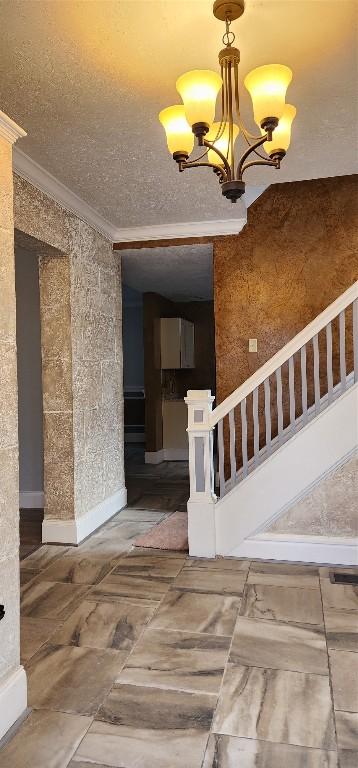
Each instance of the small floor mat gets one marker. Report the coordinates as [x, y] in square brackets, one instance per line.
[171, 533]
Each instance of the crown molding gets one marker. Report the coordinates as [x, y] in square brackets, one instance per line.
[28, 169]
[9, 130]
[180, 230]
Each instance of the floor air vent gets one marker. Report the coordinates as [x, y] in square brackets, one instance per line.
[343, 578]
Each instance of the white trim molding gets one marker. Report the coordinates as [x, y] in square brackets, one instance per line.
[9, 130]
[331, 550]
[13, 698]
[76, 530]
[28, 169]
[180, 230]
[32, 500]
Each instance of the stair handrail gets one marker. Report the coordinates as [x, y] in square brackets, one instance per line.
[284, 354]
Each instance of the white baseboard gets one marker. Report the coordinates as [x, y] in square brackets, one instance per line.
[332, 550]
[32, 500]
[76, 530]
[13, 699]
[166, 454]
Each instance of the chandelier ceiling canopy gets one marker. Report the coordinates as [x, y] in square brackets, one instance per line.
[194, 118]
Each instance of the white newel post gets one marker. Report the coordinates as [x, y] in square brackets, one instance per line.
[201, 504]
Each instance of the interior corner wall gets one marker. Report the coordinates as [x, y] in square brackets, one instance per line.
[28, 337]
[297, 253]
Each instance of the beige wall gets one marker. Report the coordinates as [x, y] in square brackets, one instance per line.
[9, 488]
[80, 292]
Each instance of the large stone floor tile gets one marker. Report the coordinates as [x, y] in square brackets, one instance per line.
[149, 728]
[348, 758]
[145, 565]
[218, 563]
[233, 752]
[104, 625]
[34, 633]
[278, 645]
[138, 516]
[276, 706]
[27, 574]
[180, 660]
[283, 575]
[110, 592]
[340, 596]
[211, 581]
[341, 629]
[44, 556]
[213, 614]
[77, 569]
[347, 730]
[50, 600]
[72, 679]
[140, 587]
[344, 671]
[45, 740]
[280, 604]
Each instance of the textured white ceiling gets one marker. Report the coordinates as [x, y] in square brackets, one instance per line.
[87, 80]
[181, 273]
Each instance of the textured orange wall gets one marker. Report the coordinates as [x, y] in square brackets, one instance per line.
[297, 253]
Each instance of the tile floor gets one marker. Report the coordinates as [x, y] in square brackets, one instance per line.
[149, 659]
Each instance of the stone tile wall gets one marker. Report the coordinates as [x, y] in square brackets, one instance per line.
[9, 487]
[330, 509]
[81, 313]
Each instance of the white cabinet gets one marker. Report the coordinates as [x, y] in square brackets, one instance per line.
[176, 343]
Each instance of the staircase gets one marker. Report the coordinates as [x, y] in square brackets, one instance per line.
[273, 439]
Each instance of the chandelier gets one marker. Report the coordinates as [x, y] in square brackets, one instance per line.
[195, 117]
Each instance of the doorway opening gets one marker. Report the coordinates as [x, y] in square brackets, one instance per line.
[168, 348]
[30, 403]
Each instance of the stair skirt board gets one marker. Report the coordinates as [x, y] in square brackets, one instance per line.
[13, 699]
[323, 550]
[286, 474]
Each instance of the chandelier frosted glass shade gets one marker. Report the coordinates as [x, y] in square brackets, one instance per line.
[267, 87]
[198, 90]
[180, 137]
[281, 137]
[222, 143]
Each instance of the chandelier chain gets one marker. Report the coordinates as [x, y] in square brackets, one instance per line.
[228, 36]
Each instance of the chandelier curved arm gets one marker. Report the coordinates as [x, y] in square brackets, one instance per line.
[222, 157]
[216, 168]
[248, 152]
[258, 162]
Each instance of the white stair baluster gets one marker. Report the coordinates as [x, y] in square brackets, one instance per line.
[317, 389]
[304, 384]
[232, 447]
[255, 413]
[243, 436]
[268, 415]
[279, 405]
[329, 362]
[291, 387]
[342, 350]
[355, 339]
[221, 451]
